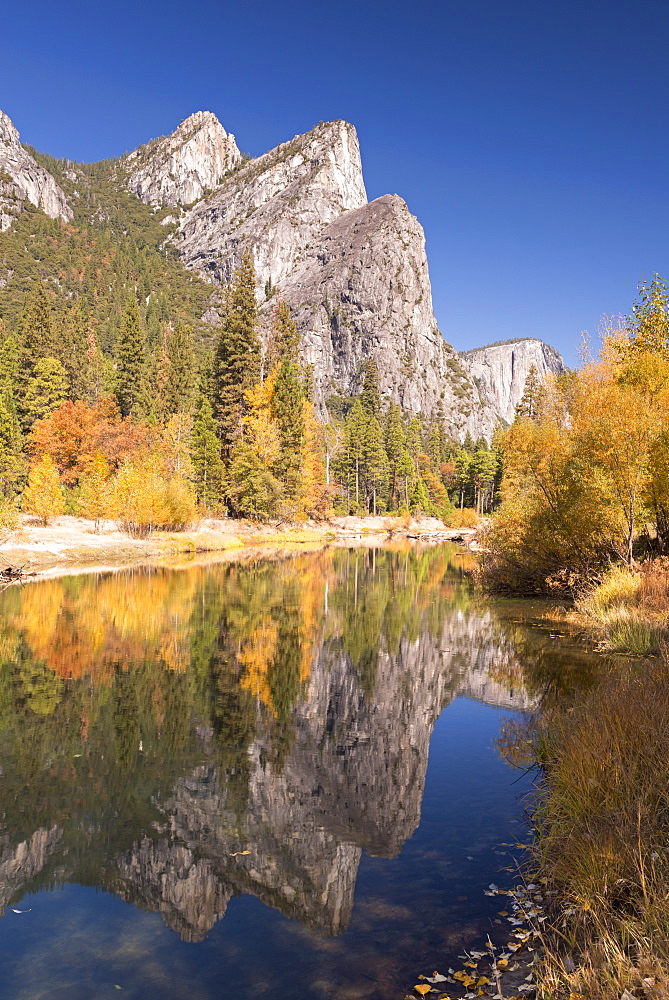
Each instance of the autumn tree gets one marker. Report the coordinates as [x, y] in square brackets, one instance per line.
[43, 495]
[94, 498]
[75, 432]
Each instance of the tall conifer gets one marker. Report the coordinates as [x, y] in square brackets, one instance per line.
[284, 340]
[237, 358]
[131, 362]
[36, 337]
[353, 452]
[287, 410]
[47, 388]
[375, 464]
[12, 460]
[370, 396]
[206, 458]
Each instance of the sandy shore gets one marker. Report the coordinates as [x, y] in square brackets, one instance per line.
[71, 543]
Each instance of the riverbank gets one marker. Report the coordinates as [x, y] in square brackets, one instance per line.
[69, 543]
[603, 807]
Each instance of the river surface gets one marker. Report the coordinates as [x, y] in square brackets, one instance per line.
[279, 778]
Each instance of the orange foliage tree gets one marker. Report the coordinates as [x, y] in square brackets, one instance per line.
[74, 433]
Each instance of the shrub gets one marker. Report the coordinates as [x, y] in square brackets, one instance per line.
[465, 518]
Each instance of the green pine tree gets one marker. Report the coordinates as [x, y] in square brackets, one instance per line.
[36, 335]
[9, 365]
[370, 397]
[12, 458]
[47, 388]
[237, 358]
[251, 490]
[132, 363]
[206, 458]
[396, 449]
[414, 434]
[351, 458]
[71, 351]
[534, 392]
[376, 466]
[179, 387]
[420, 500]
[288, 413]
[284, 340]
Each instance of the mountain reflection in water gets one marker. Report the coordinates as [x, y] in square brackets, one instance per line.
[179, 738]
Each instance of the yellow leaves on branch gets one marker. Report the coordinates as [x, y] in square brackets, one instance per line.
[143, 499]
[585, 477]
[43, 496]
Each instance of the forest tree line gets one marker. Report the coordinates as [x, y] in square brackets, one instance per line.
[159, 427]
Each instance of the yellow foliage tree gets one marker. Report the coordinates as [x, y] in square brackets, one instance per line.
[590, 473]
[94, 495]
[143, 499]
[43, 495]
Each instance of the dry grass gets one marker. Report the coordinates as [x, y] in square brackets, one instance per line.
[603, 839]
[629, 609]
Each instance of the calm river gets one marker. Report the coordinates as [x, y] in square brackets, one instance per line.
[269, 779]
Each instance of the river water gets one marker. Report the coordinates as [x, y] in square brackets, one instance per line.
[274, 778]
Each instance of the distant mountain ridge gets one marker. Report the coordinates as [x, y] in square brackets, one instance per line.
[354, 272]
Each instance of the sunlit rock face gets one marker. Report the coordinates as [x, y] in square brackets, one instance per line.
[180, 168]
[500, 371]
[21, 863]
[22, 179]
[355, 274]
[362, 291]
[274, 206]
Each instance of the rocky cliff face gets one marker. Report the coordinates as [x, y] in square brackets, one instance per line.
[361, 290]
[179, 169]
[500, 371]
[21, 179]
[355, 274]
[274, 206]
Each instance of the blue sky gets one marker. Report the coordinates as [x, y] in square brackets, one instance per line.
[529, 138]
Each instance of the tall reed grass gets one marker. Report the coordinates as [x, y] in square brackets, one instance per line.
[629, 608]
[602, 840]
